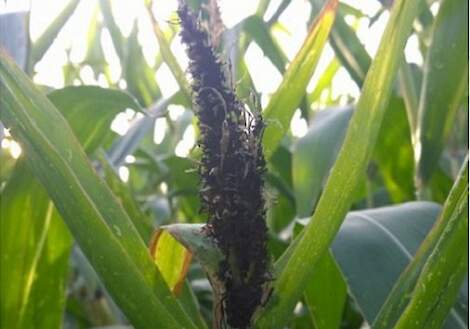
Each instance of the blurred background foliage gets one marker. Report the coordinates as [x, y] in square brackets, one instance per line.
[117, 71]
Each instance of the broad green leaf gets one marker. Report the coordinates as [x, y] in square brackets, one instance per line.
[445, 82]
[142, 222]
[172, 259]
[172, 247]
[314, 155]
[202, 246]
[281, 165]
[381, 242]
[35, 248]
[455, 210]
[281, 211]
[189, 301]
[440, 184]
[394, 153]
[90, 110]
[280, 197]
[183, 183]
[348, 169]
[286, 99]
[326, 294]
[97, 222]
[438, 284]
[42, 44]
[257, 29]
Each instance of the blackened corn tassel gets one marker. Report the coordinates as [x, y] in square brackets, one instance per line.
[231, 170]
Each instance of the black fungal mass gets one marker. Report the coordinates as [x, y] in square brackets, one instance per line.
[231, 171]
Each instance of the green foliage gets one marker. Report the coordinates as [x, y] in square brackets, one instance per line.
[349, 240]
[440, 100]
[33, 285]
[286, 99]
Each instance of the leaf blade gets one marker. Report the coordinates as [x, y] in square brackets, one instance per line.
[445, 82]
[401, 293]
[78, 193]
[350, 164]
[285, 100]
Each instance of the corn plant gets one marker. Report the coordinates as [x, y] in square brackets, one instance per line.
[361, 222]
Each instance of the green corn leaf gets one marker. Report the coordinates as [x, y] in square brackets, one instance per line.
[350, 50]
[140, 77]
[42, 44]
[257, 29]
[172, 259]
[408, 88]
[445, 82]
[169, 58]
[326, 294]
[455, 210]
[348, 169]
[442, 275]
[314, 155]
[189, 301]
[96, 220]
[286, 99]
[35, 248]
[394, 153]
[325, 80]
[379, 242]
[90, 111]
[116, 36]
[36, 252]
[142, 222]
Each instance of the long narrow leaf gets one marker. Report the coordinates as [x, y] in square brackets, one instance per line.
[349, 50]
[168, 56]
[34, 259]
[408, 88]
[90, 111]
[286, 99]
[255, 27]
[116, 36]
[36, 251]
[97, 221]
[441, 277]
[325, 80]
[351, 163]
[445, 82]
[402, 291]
[326, 294]
[39, 48]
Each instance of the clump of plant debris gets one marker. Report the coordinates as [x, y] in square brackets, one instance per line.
[231, 171]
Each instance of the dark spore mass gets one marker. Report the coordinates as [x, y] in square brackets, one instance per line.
[231, 171]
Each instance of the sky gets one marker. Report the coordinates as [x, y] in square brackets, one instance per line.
[266, 77]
